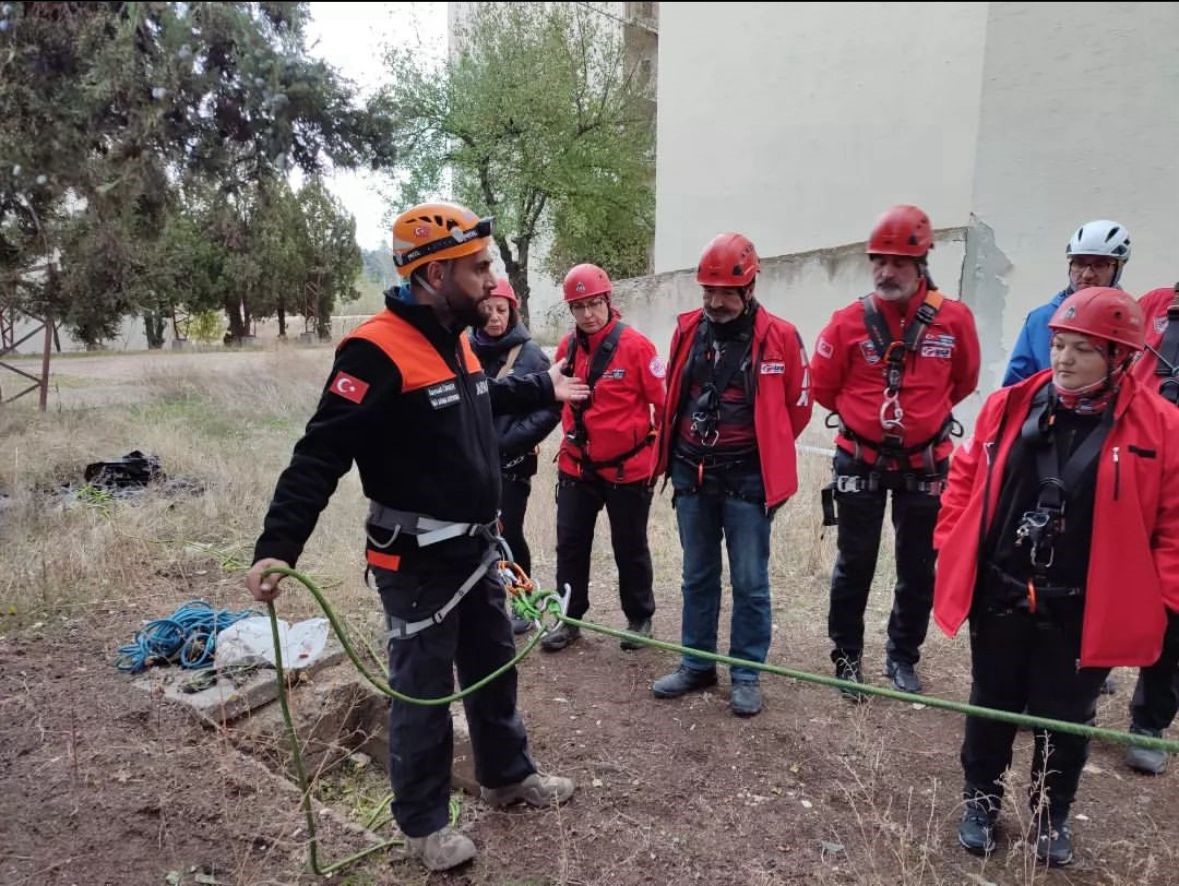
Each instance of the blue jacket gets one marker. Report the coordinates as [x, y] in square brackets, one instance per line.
[1031, 351]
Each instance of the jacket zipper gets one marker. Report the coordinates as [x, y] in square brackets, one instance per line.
[1117, 472]
[988, 449]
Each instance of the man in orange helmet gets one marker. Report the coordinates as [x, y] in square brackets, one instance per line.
[892, 366]
[605, 457]
[737, 400]
[408, 402]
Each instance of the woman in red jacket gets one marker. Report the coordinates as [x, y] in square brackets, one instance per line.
[1059, 539]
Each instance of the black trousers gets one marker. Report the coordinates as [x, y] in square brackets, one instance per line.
[512, 507]
[627, 507]
[1019, 660]
[861, 518]
[475, 638]
[1156, 695]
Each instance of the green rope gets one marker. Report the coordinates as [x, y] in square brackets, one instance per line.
[539, 604]
[380, 685]
[300, 770]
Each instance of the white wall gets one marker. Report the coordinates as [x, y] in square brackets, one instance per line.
[798, 124]
[1079, 120]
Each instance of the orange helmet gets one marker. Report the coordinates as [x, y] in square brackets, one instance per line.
[586, 281]
[1102, 312]
[902, 230]
[437, 232]
[503, 289]
[729, 260]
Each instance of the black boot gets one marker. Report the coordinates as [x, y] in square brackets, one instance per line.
[1054, 838]
[560, 638]
[848, 668]
[642, 627]
[902, 674]
[976, 831]
[682, 681]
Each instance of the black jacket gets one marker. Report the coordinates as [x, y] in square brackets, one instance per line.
[519, 433]
[430, 449]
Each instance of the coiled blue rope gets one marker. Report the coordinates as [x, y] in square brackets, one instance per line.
[188, 637]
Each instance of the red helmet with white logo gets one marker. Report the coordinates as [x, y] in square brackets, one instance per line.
[586, 281]
[1102, 312]
[902, 230]
[729, 260]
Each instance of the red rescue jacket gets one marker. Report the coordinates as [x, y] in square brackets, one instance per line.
[620, 415]
[781, 397]
[1134, 560]
[848, 373]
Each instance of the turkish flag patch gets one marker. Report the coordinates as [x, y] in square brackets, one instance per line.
[349, 387]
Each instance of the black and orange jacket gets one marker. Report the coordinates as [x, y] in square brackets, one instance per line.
[407, 402]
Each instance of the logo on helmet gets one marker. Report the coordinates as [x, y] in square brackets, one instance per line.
[580, 287]
[421, 231]
[1070, 313]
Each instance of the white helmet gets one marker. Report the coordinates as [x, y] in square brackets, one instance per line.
[1101, 237]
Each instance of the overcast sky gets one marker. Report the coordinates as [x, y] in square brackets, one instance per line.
[351, 37]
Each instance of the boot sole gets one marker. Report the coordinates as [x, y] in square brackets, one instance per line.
[980, 851]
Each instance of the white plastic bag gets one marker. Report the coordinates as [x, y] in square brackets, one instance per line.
[250, 641]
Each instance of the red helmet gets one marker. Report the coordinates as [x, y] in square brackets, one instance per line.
[729, 260]
[586, 281]
[503, 289]
[902, 230]
[1102, 312]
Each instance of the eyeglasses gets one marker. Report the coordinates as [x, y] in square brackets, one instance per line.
[587, 304]
[1096, 265]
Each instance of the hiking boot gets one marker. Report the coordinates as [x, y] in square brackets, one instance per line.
[441, 850]
[745, 699]
[1146, 760]
[976, 831]
[849, 669]
[682, 681]
[560, 638]
[902, 674]
[535, 790]
[641, 627]
[520, 625]
[1054, 839]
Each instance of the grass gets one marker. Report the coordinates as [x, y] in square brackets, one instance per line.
[233, 435]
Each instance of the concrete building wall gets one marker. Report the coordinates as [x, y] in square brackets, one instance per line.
[1079, 120]
[798, 123]
[1015, 122]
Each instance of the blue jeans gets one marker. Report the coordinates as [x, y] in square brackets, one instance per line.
[731, 510]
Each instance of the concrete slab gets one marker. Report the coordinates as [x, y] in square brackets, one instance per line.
[226, 701]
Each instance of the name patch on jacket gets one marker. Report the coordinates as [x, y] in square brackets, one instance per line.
[941, 346]
[773, 367]
[869, 351]
[443, 395]
[616, 374]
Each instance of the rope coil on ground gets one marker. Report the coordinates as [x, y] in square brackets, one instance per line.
[187, 637]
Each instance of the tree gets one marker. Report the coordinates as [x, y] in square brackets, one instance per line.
[107, 110]
[330, 255]
[541, 121]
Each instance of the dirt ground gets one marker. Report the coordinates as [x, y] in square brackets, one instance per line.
[106, 784]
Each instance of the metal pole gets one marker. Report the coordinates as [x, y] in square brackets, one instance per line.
[45, 359]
